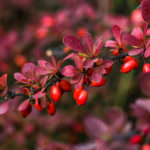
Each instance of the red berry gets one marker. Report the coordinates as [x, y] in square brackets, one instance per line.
[65, 86]
[146, 68]
[146, 147]
[55, 93]
[85, 79]
[38, 105]
[90, 71]
[115, 52]
[136, 139]
[96, 84]
[76, 92]
[108, 70]
[127, 58]
[82, 97]
[129, 65]
[27, 110]
[51, 109]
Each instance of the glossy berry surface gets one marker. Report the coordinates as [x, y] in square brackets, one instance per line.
[146, 68]
[65, 85]
[55, 93]
[51, 109]
[76, 92]
[38, 105]
[82, 97]
[97, 84]
[116, 52]
[136, 139]
[129, 65]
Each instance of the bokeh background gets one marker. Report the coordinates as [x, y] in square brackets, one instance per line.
[33, 29]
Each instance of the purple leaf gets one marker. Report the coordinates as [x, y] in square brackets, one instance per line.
[44, 80]
[19, 77]
[107, 63]
[23, 105]
[41, 70]
[42, 63]
[79, 84]
[147, 52]
[39, 95]
[115, 118]
[73, 43]
[97, 46]
[78, 62]
[76, 79]
[88, 64]
[49, 67]
[116, 32]
[28, 70]
[95, 127]
[96, 75]
[4, 107]
[145, 83]
[145, 5]
[135, 51]
[131, 40]
[88, 41]
[71, 55]
[69, 71]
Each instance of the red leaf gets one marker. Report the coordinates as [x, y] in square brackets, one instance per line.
[88, 41]
[28, 70]
[147, 52]
[42, 63]
[41, 70]
[97, 46]
[69, 71]
[78, 62]
[116, 32]
[145, 8]
[53, 61]
[79, 84]
[96, 75]
[44, 80]
[135, 51]
[39, 95]
[19, 77]
[88, 64]
[131, 40]
[4, 107]
[107, 63]
[95, 127]
[76, 79]
[23, 105]
[73, 43]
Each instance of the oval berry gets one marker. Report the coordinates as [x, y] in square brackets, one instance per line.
[116, 52]
[82, 97]
[27, 110]
[55, 93]
[76, 92]
[146, 68]
[65, 85]
[129, 65]
[97, 84]
[136, 139]
[51, 109]
[127, 58]
[146, 147]
[38, 105]
[108, 70]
